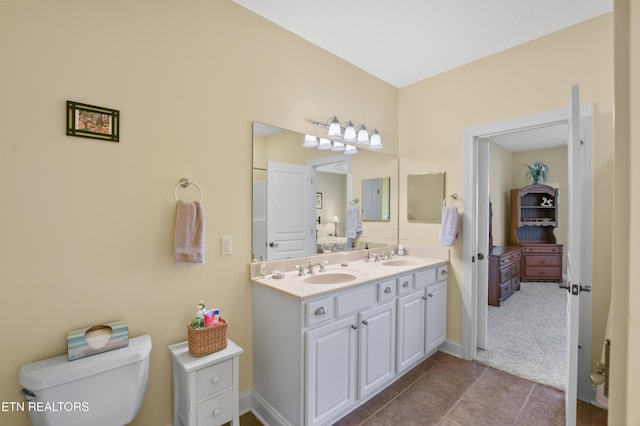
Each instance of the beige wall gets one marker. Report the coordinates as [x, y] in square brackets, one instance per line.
[625, 296]
[86, 225]
[529, 79]
[500, 184]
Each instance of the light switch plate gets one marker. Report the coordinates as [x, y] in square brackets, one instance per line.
[226, 246]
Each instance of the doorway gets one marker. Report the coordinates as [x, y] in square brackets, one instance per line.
[476, 229]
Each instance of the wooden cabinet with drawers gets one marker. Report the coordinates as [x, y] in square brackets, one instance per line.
[541, 262]
[504, 273]
[534, 218]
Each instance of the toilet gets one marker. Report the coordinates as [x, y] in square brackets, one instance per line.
[100, 390]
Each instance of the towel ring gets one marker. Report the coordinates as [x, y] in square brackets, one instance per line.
[184, 182]
[456, 198]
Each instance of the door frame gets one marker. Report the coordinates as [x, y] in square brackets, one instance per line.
[472, 167]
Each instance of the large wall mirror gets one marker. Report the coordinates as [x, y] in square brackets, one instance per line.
[425, 194]
[306, 201]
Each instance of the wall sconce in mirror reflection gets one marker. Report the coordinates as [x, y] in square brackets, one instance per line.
[336, 220]
[425, 193]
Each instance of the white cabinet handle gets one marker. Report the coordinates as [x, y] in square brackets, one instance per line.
[406, 284]
[387, 290]
[321, 311]
[215, 380]
[217, 412]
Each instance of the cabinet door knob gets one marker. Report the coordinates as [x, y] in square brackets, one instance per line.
[217, 412]
[321, 311]
[430, 295]
[365, 322]
[443, 272]
[387, 290]
[354, 326]
[215, 380]
[406, 284]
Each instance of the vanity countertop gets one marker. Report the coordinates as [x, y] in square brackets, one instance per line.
[364, 272]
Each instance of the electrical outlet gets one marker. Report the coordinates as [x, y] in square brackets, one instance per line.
[226, 246]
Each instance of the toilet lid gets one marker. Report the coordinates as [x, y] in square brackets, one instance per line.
[58, 370]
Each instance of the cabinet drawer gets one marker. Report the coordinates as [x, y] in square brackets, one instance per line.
[542, 249]
[319, 311]
[543, 272]
[543, 261]
[405, 284]
[505, 290]
[355, 300]
[510, 258]
[213, 379]
[442, 272]
[215, 411]
[515, 284]
[424, 278]
[386, 290]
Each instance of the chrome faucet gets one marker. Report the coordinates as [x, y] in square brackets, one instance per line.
[387, 256]
[319, 264]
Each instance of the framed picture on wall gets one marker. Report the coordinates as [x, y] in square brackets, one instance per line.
[318, 200]
[90, 121]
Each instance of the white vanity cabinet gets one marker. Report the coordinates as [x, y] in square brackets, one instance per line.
[318, 358]
[422, 317]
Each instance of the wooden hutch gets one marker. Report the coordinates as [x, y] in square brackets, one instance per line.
[534, 217]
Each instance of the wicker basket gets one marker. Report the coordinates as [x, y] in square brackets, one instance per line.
[204, 341]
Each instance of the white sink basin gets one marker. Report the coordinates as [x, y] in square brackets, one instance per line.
[330, 278]
[399, 262]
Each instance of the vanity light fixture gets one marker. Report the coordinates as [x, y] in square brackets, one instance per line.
[324, 144]
[310, 141]
[350, 150]
[338, 146]
[347, 133]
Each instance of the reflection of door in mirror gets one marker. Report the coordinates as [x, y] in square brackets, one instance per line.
[375, 199]
[425, 193]
[290, 222]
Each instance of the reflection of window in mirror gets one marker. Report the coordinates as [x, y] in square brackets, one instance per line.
[375, 199]
[425, 193]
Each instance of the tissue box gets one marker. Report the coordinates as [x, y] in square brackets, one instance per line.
[96, 339]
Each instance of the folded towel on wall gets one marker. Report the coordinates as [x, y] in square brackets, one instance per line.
[449, 227]
[189, 233]
[352, 226]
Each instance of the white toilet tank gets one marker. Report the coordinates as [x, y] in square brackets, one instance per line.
[100, 390]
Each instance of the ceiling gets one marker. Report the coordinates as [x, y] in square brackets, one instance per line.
[406, 41]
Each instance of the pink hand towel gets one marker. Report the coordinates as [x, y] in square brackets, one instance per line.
[189, 233]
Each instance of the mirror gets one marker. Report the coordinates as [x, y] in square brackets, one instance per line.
[425, 194]
[293, 219]
[375, 199]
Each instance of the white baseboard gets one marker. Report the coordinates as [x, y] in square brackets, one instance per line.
[452, 348]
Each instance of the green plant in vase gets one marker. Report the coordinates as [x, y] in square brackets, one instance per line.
[537, 172]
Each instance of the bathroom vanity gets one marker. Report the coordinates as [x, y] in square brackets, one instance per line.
[323, 349]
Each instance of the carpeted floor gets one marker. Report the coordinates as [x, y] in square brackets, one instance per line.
[527, 334]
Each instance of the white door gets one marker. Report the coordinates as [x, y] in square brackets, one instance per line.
[371, 199]
[331, 370]
[411, 332]
[436, 316]
[377, 348]
[482, 257]
[290, 228]
[573, 284]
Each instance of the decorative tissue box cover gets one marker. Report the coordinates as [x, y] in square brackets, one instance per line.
[96, 339]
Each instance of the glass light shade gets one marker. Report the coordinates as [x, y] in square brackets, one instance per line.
[350, 150]
[338, 146]
[334, 133]
[349, 133]
[324, 144]
[375, 142]
[363, 135]
[335, 219]
[310, 141]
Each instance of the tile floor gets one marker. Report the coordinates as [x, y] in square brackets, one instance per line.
[448, 391]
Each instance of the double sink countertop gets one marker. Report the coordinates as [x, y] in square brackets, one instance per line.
[337, 277]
